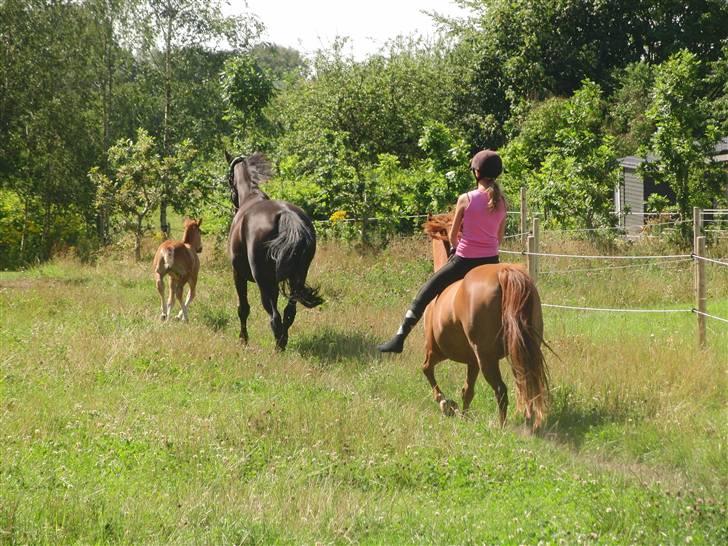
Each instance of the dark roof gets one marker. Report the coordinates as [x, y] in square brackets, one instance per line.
[633, 161]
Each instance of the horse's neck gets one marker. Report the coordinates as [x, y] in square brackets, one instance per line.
[186, 240]
[439, 253]
[250, 195]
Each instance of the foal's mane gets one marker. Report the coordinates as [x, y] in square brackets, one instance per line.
[438, 226]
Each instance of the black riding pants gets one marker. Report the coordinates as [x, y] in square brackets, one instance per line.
[455, 269]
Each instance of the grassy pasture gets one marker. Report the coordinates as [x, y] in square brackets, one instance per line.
[115, 428]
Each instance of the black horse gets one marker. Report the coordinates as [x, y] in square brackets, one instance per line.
[272, 244]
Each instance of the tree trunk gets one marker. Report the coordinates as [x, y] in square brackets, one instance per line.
[24, 233]
[163, 223]
[138, 233]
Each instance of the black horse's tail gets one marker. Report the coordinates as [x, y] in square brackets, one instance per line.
[292, 251]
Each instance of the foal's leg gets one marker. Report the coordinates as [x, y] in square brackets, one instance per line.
[160, 289]
[241, 286]
[179, 292]
[170, 299]
[190, 296]
[492, 374]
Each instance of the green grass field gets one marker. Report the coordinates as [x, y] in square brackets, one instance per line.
[116, 428]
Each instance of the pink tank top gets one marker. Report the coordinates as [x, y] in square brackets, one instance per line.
[479, 237]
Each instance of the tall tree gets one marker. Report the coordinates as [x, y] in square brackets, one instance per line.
[685, 136]
[174, 25]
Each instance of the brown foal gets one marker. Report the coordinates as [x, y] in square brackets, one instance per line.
[494, 312]
[179, 260]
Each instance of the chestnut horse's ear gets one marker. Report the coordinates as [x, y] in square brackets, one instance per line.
[228, 157]
[199, 222]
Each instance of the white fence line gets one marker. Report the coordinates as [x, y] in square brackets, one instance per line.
[630, 266]
[720, 319]
[615, 310]
[703, 258]
[597, 257]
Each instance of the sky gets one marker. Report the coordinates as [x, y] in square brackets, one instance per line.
[308, 25]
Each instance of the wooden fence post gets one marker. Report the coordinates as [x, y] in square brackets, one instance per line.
[697, 228]
[524, 219]
[536, 245]
[700, 289]
[697, 223]
[530, 258]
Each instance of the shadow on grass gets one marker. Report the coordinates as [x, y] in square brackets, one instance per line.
[570, 425]
[329, 346]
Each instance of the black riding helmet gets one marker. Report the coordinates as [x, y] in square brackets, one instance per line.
[488, 163]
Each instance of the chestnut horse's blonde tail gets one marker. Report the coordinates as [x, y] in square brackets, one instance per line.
[522, 337]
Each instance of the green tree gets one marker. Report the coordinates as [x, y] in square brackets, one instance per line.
[177, 25]
[134, 190]
[572, 176]
[685, 136]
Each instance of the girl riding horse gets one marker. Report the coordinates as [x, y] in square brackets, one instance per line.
[482, 215]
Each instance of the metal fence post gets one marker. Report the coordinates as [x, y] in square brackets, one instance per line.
[524, 219]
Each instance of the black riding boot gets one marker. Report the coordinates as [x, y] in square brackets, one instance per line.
[396, 344]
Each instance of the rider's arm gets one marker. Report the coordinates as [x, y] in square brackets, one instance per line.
[457, 221]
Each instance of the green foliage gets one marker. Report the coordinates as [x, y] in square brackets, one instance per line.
[685, 137]
[657, 203]
[247, 89]
[627, 118]
[136, 187]
[566, 160]
[117, 428]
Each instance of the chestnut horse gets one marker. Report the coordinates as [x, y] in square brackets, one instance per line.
[272, 244]
[179, 260]
[495, 311]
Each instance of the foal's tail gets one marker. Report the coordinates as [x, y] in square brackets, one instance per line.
[523, 338]
[292, 251]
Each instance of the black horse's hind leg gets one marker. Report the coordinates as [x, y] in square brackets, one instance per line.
[241, 285]
[269, 298]
[289, 314]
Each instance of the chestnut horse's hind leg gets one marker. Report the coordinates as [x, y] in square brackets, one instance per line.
[241, 286]
[492, 374]
[469, 387]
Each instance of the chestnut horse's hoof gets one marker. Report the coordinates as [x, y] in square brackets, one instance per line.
[448, 407]
[162, 317]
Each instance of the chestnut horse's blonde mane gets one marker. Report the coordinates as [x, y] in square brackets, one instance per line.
[438, 226]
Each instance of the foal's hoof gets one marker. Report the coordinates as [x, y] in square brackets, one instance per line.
[162, 317]
[448, 407]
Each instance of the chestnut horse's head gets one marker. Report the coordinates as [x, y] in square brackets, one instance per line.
[437, 229]
[192, 235]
